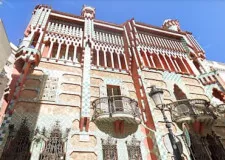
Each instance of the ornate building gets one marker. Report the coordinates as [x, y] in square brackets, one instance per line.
[7, 59]
[85, 89]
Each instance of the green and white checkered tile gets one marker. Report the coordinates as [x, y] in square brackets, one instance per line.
[85, 112]
[5, 124]
[174, 77]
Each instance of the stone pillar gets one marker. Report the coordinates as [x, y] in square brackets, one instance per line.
[89, 14]
[105, 60]
[97, 53]
[112, 60]
[58, 51]
[118, 56]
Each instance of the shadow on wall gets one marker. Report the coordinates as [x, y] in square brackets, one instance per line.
[24, 135]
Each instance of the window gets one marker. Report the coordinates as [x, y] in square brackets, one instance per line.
[54, 50]
[79, 54]
[134, 150]
[113, 90]
[215, 147]
[109, 149]
[198, 148]
[54, 145]
[115, 96]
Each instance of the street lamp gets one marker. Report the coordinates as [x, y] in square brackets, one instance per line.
[157, 96]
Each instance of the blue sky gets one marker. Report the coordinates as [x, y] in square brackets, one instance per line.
[204, 18]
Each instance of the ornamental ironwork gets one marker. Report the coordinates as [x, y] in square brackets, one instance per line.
[199, 148]
[215, 146]
[192, 108]
[134, 150]
[220, 109]
[18, 143]
[54, 146]
[115, 104]
[109, 149]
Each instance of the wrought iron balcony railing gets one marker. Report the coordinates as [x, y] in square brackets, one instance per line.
[115, 106]
[220, 109]
[190, 109]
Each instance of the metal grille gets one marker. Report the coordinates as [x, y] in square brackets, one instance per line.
[134, 150]
[18, 143]
[109, 149]
[216, 148]
[198, 148]
[54, 146]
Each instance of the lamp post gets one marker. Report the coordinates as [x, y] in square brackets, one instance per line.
[157, 96]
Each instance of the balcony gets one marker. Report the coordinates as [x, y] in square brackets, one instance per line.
[118, 116]
[190, 110]
[27, 54]
[220, 110]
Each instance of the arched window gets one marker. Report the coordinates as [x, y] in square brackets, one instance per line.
[109, 60]
[94, 57]
[54, 50]
[46, 49]
[179, 94]
[109, 149]
[134, 150]
[54, 147]
[101, 58]
[62, 51]
[183, 108]
[122, 61]
[70, 53]
[115, 59]
[79, 54]
[35, 39]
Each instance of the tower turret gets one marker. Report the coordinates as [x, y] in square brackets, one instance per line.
[171, 24]
[88, 12]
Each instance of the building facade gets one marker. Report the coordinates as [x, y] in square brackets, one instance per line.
[7, 59]
[80, 90]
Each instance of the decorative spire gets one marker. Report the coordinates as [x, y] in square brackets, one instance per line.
[88, 12]
[171, 24]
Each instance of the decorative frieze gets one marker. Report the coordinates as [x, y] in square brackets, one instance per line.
[50, 85]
